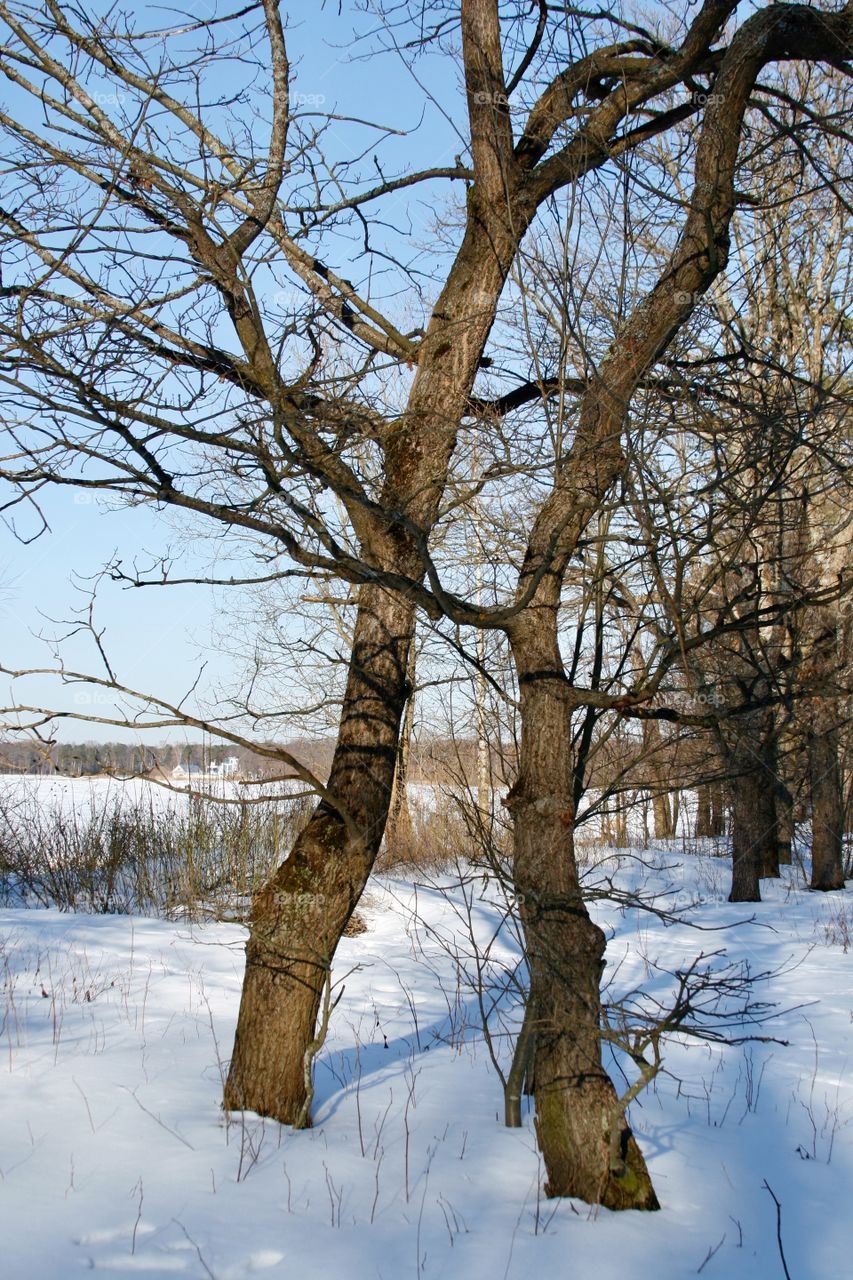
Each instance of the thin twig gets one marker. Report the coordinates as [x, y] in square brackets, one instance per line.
[778, 1205]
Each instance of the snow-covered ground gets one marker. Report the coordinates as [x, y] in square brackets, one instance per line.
[88, 795]
[116, 1157]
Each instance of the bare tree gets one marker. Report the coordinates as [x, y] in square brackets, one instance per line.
[120, 378]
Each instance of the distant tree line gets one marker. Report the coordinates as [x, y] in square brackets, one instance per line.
[87, 759]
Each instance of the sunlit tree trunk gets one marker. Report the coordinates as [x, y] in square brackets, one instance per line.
[299, 917]
[301, 913]
[586, 1144]
[703, 811]
[399, 830]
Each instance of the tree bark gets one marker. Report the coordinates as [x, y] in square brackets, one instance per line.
[664, 829]
[827, 807]
[753, 827]
[703, 811]
[752, 782]
[769, 807]
[577, 1108]
[784, 801]
[399, 829]
[718, 810]
[656, 764]
[300, 915]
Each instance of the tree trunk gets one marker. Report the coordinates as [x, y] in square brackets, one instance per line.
[620, 818]
[674, 812]
[663, 816]
[521, 1067]
[703, 811]
[653, 746]
[749, 827]
[399, 829]
[827, 808]
[784, 823]
[718, 810]
[750, 764]
[754, 850]
[586, 1144]
[299, 916]
[770, 810]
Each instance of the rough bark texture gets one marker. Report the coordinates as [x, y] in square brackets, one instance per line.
[769, 807]
[575, 1101]
[577, 1108]
[753, 828]
[753, 789]
[664, 822]
[826, 787]
[827, 809]
[399, 845]
[300, 915]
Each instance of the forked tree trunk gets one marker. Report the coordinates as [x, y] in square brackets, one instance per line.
[584, 1138]
[827, 807]
[300, 915]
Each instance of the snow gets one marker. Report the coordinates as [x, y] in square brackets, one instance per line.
[116, 1156]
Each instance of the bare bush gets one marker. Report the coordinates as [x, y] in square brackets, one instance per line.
[193, 858]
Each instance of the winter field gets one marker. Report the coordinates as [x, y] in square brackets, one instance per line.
[116, 1157]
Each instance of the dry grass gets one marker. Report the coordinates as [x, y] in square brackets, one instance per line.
[199, 858]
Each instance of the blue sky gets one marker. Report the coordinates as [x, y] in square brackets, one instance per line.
[157, 639]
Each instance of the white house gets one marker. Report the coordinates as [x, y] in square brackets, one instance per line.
[182, 771]
[226, 769]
